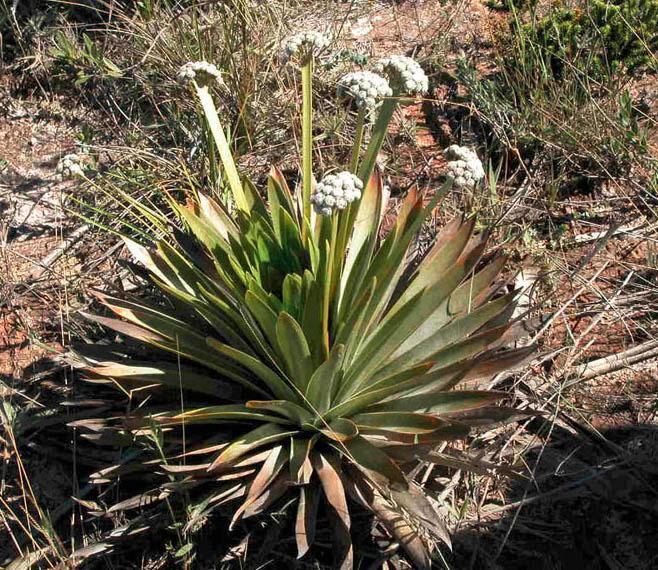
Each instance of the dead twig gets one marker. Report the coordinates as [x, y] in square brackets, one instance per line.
[607, 364]
[57, 252]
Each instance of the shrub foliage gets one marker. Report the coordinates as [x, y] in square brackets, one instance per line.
[302, 355]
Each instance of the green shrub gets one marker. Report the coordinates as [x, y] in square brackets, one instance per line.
[294, 352]
[608, 34]
[565, 113]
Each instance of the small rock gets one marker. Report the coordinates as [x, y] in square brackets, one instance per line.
[362, 27]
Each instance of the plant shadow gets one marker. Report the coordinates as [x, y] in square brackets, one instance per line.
[593, 504]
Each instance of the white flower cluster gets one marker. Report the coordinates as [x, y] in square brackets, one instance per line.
[303, 44]
[69, 166]
[404, 74]
[464, 167]
[202, 72]
[336, 191]
[365, 87]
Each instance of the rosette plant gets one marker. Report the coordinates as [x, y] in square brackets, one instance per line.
[301, 352]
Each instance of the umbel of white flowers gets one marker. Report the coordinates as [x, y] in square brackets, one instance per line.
[464, 167]
[336, 191]
[365, 88]
[69, 166]
[404, 75]
[304, 44]
[202, 72]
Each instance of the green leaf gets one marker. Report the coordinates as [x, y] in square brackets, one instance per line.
[440, 402]
[183, 343]
[205, 233]
[170, 375]
[300, 464]
[264, 315]
[271, 379]
[284, 408]
[255, 203]
[341, 429]
[211, 414]
[216, 216]
[394, 330]
[292, 294]
[413, 352]
[295, 350]
[311, 318]
[262, 435]
[365, 229]
[184, 550]
[325, 380]
[386, 110]
[367, 456]
[223, 147]
[468, 295]
[279, 195]
[349, 332]
[379, 390]
[403, 422]
[441, 313]
[439, 262]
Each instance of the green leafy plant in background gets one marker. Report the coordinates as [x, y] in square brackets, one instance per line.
[604, 34]
[518, 5]
[86, 60]
[298, 351]
[561, 109]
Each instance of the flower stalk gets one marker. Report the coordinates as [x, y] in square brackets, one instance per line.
[333, 273]
[307, 137]
[377, 139]
[358, 139]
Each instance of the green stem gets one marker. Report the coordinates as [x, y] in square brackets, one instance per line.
[307, 137]
[364, 171]
[358, 140]
[343, 227]
[330, 283]
[225, 154]
[377, 140]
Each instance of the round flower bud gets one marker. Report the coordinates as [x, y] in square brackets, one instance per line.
[336, 192]
[304, 44]
[69, 166]
[464, 167]
[365, 88]
[404, 74]
[202, 72]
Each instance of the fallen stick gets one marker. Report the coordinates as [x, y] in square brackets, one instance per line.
[615, 362]
[626, 230]
[58, 251]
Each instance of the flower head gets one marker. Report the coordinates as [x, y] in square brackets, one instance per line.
[365, 87]
[336, 191]
[404, 74]
[464, 167]
[304, 44]
[69, 166]
[202, 72]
